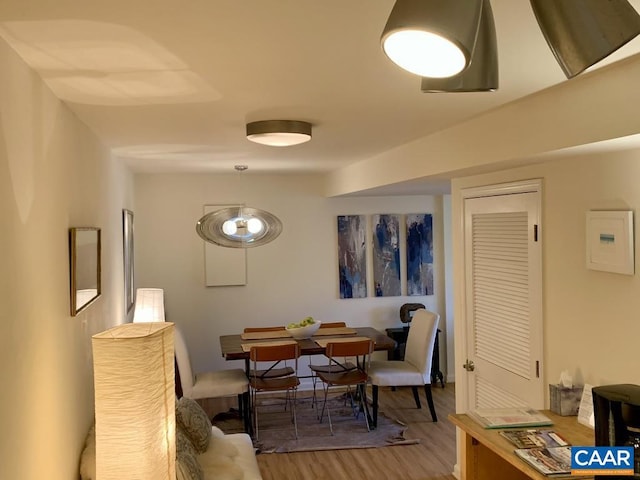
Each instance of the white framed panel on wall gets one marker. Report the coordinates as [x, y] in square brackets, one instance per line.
[223, 266]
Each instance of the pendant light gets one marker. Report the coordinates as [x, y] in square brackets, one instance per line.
[580, 33]
[239, 226]
[432, 38]
[482, 73]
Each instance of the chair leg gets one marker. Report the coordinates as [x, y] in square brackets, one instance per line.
[416, 397]
[363, 403]
[254, 404]
[243, 405]
[374, 395]
[432, 408]
[293, 408]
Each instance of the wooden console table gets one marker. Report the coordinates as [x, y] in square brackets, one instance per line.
[489, 456]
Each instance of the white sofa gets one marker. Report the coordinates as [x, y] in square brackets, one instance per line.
[244, 461]
[203, 451]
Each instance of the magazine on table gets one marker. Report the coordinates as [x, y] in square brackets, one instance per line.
[555, 461]
[509, 417]
[532, 438]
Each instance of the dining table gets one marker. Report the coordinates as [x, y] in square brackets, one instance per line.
[237, 346]
[232, 345]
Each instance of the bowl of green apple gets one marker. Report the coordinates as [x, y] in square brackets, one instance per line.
[305, 328]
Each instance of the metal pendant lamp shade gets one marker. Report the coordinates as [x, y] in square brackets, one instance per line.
[134, 382]
[432, 38]
[279, 133]
[239, 227]
[580, 33]
[482, 73]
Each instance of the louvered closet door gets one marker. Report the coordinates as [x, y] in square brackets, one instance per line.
[503, 301]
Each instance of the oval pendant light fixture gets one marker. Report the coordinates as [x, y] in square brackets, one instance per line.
[239, 226]
[432, 38]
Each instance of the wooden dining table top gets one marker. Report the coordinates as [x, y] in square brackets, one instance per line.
[231, 345]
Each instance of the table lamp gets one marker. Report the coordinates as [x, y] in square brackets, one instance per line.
[135, 402]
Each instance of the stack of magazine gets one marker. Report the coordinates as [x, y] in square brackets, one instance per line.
[545, 450]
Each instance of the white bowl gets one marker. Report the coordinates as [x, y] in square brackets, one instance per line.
[304, 332]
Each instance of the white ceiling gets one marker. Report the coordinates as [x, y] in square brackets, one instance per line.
[170, 85]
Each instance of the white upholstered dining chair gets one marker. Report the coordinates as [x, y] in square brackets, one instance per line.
[415, 369]
[212, 384]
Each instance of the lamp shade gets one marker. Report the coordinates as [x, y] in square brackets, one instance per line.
[580, 33]
[149, 305]
[239, 227]
[482, 73]
[279, 133]
[432, 38]
[133, 367]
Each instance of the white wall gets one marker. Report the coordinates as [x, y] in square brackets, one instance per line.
[591, 324]
[53, 175]
[288, 279]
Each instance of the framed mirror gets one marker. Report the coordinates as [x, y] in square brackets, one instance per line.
[84, 256]
[127, 247]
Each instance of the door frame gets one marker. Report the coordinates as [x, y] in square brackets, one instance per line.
[460, 281]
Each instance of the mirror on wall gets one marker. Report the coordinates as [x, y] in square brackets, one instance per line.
[127, 247]
[84, 254]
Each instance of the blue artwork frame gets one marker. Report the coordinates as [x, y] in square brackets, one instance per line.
[419, 254]
[352, 256]
[386, 255]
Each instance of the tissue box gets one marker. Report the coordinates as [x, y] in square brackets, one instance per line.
[564, 400]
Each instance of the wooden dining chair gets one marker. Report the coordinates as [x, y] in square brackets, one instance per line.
[415, 369]
[289, 384]
[273, 370]
[324, 367]
[336, 375]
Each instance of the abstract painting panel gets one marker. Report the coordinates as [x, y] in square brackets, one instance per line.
[352, 256]
[386, 255]
[419, 254]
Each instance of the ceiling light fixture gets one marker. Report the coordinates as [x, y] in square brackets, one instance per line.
[432, 38]
[580, 33]
[239, 226]
[482, 73]
[279, 133]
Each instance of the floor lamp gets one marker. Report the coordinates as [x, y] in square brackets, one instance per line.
[135, 402]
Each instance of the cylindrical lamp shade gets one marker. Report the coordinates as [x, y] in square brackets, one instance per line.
[134, 383]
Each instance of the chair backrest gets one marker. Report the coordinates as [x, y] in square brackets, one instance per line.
[273, 353]
[421, 340]
[184, 363]
[357, 348]
[332, 324]
[263, 329]
[350, 349]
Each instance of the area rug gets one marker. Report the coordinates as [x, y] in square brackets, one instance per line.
[276, 431]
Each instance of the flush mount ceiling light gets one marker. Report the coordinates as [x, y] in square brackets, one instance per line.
[279, 133]
[482, 73]
[432, 38]
[580, 33]
[239, 227]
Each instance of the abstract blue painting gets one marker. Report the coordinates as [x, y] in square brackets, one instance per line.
[386, 255]
[352, 256]
[419, 254]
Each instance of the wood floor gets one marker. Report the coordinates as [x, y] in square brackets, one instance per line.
[432, 459]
